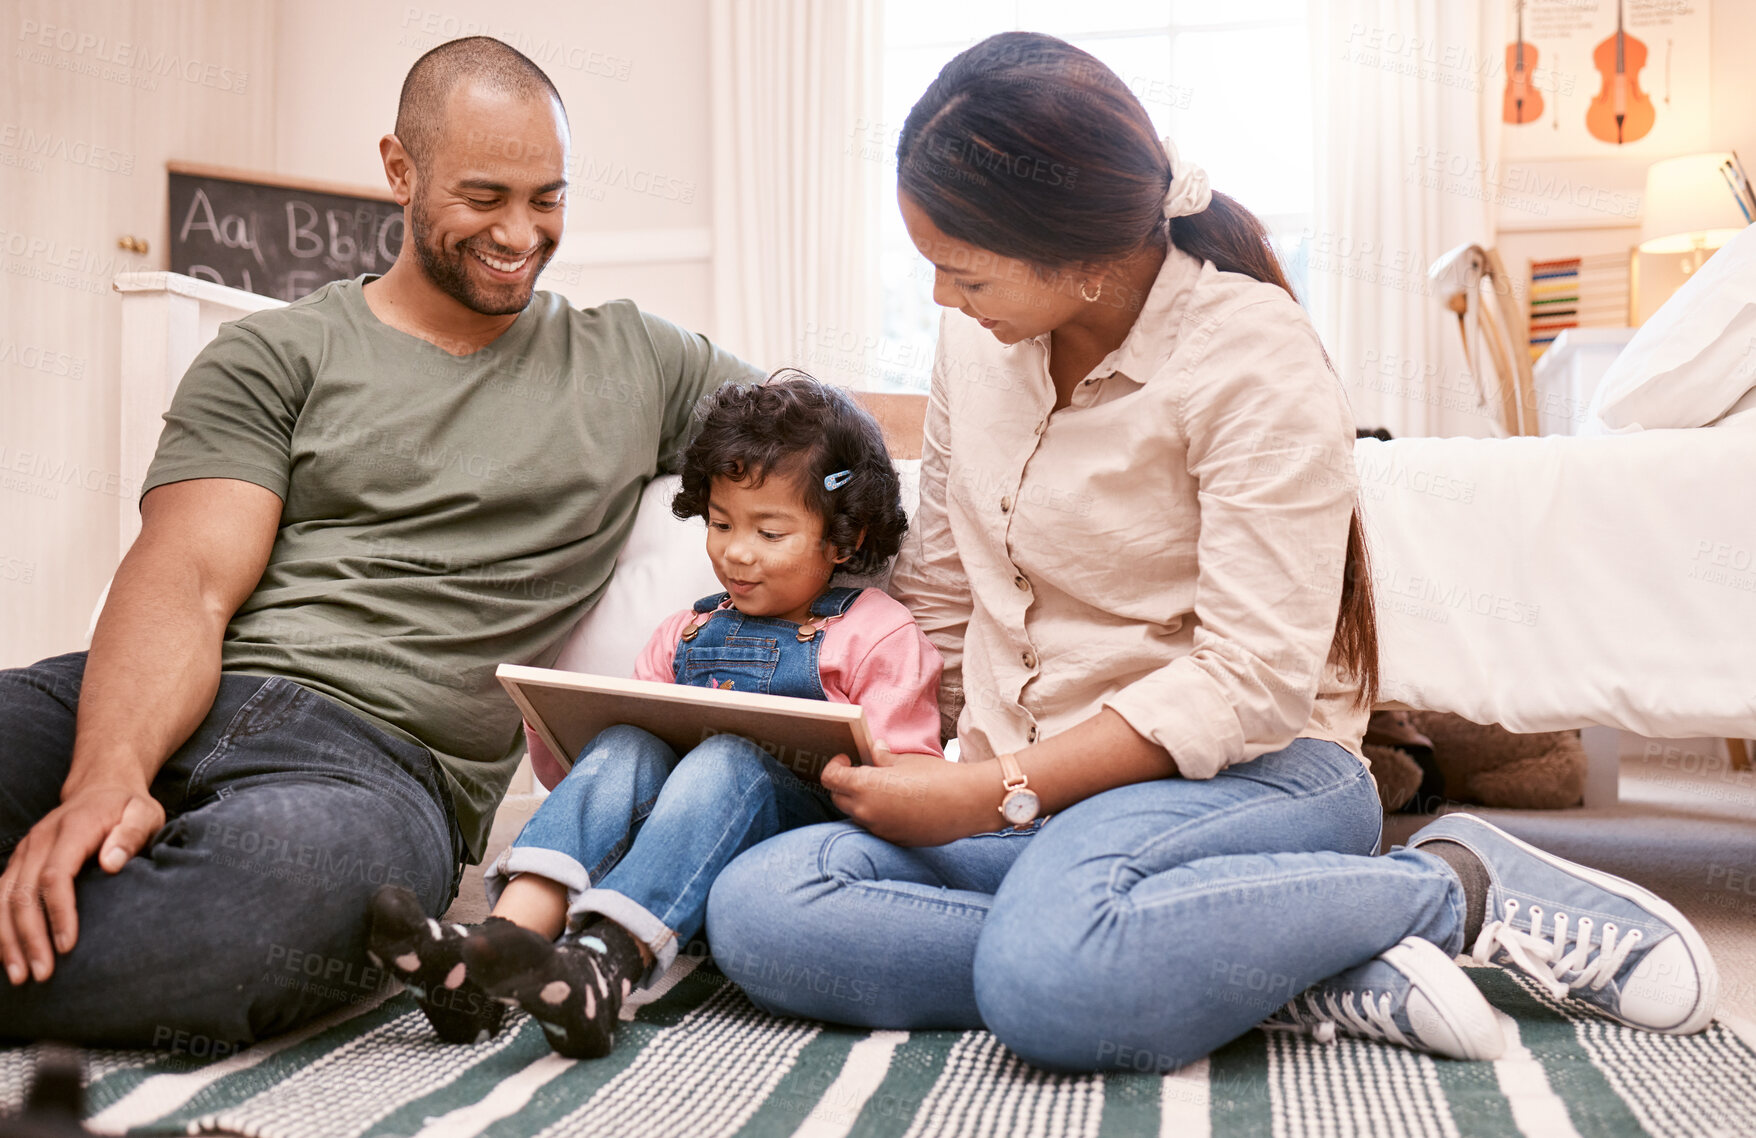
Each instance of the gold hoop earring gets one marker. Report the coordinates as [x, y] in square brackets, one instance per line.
[1094, 296]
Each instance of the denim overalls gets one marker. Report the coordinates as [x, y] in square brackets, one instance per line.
[638, 833]
[755, 653]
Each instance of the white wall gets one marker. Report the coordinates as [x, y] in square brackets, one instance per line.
[1734, 79]
[632, 76]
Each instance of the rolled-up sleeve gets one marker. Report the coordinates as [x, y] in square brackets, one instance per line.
[1276, 488]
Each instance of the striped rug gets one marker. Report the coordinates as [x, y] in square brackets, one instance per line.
[696, 1060]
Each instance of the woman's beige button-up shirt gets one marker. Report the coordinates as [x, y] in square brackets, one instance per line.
[1170, 545]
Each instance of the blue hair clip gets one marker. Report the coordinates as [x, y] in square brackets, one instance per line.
[837, 480]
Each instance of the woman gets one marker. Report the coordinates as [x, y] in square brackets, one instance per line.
[1138, 552]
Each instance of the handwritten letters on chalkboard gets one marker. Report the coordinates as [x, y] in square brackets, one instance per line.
[275, 240]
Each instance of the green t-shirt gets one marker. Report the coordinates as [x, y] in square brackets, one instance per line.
[441, 514]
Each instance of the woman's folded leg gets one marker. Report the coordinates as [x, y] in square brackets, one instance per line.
[1163, 920]
[829, 922]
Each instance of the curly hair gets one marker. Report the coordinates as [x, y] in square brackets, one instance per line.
[799, 428]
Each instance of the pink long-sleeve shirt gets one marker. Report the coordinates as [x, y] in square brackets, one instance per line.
[873, 655]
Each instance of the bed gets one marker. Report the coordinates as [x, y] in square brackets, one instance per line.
[1551, 583]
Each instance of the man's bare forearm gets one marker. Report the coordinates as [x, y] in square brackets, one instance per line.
[152, 671]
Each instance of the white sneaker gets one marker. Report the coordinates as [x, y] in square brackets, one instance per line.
[1410, 994]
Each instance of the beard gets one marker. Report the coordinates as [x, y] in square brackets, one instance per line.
[447, 270]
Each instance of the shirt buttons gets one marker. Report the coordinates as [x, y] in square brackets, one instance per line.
[1031, 735]
[1023, 585]
[1029, 658]
[1005, 505]
[1042, 426]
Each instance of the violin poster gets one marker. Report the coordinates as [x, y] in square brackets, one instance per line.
[1605, 78]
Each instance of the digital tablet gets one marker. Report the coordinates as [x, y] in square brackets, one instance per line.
[568, 709]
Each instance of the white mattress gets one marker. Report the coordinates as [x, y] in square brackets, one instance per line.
[1548, 583]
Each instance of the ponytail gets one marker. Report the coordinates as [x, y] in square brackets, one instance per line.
[1233, 238]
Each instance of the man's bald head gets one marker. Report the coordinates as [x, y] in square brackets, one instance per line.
[420, 113]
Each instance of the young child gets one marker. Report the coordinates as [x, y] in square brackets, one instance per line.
[794, 481]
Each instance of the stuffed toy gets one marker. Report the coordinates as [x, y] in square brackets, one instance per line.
[1422, 759]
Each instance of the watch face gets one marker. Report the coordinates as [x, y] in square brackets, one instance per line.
[1019, 807]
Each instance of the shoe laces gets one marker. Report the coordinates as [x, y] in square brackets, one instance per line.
[1542, 952]
[1324, 1011]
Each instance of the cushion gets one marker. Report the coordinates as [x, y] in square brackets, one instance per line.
[1693, 358]
[663, 568]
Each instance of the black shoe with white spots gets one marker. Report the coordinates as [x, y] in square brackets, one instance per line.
[423, 954]
[574, 988]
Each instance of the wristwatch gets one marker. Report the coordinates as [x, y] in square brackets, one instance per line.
[1020, 805]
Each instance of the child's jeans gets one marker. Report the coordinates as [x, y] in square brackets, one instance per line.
[638, 836]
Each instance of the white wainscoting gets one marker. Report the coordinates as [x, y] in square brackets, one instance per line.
[166, 319]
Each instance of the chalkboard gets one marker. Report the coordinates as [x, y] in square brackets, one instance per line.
[281, 240]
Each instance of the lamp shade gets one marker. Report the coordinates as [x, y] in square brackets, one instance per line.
[1689, 204]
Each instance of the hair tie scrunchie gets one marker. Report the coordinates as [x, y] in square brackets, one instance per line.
[1189, 192]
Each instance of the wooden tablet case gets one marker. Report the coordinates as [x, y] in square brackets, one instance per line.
[568, 709]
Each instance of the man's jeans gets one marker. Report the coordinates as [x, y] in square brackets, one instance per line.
[1138, 930]
[245, 914]
[638, 836]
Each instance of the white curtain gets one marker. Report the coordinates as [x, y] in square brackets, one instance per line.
[1404, 173]
[795, 85]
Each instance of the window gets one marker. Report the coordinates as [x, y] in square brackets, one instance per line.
[1230, 83]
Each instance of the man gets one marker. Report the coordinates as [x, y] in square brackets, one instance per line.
[360, 505]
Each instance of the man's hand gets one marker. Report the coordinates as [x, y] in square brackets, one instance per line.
[36, 891]
[916, 800]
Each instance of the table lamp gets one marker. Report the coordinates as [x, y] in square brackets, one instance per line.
[1694, 204]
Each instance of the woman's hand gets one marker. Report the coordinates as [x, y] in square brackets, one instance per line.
[916, 800]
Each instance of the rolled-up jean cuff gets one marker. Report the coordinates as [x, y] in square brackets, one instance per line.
[552, 864]
[641, 924]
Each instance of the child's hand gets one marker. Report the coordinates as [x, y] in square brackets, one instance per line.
[915, 800]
